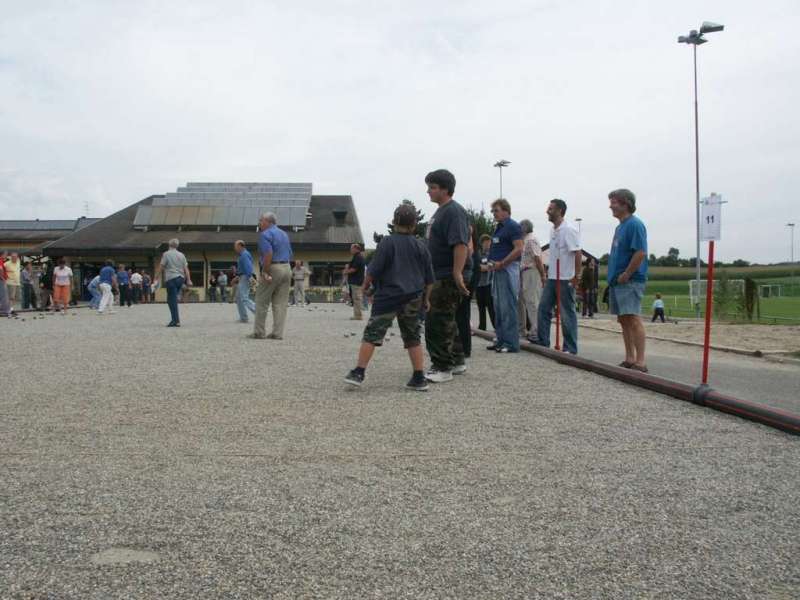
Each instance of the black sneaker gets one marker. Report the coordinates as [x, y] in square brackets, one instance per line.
[354, 378]
[418, 384]
[492, 347]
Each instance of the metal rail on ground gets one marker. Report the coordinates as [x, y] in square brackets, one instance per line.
[700, 395]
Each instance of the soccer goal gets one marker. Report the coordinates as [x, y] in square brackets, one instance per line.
[697, 296]
[770, 290]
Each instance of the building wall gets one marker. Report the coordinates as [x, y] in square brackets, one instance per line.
[201, 262]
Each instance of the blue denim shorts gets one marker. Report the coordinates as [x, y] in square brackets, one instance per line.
[626, 298]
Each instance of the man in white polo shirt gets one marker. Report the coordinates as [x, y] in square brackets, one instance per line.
[564, 263]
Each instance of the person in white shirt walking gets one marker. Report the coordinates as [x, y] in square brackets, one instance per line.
[563, 266]
[136, 286]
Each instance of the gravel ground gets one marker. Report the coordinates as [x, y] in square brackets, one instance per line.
[146, 462]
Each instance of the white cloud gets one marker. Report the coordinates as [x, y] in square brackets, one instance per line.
[112, 101]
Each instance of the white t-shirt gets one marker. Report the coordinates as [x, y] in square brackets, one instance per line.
[136, 278]
[62, 275]
[564, 243]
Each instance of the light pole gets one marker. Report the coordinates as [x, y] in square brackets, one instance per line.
[791, 251]
[695, 38]
[500, 164]
[578, 221]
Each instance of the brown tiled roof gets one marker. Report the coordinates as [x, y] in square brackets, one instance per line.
[115, 234]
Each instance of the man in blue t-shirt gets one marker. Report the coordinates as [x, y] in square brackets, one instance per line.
[627, 275]
[504, 257]
[108, 280]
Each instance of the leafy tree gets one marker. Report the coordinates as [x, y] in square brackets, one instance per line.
[603, 260]
[422, 225]
[481, 221]
[741, 263]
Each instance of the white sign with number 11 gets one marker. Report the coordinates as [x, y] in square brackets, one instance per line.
[710, 217]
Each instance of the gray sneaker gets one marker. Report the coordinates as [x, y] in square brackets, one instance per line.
[459, 369]
[436, 376]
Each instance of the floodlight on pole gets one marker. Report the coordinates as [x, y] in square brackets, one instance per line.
[500, 164]
[695, 38]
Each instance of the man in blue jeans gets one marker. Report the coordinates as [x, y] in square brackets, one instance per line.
[627, 275]
[174, 273]
[244, 271]
[563, 267]
[504, 257]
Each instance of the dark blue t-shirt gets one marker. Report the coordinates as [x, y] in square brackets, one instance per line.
[401, 268]
[629, 237]
[122, 277]
[505, 234]
[107, 275]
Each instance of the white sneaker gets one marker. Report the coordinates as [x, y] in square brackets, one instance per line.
[436, 376]
[459, 369]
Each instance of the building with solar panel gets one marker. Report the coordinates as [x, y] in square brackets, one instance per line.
[208, 218]
[29, 237]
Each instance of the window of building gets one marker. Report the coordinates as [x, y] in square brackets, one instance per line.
[326, 273]
[196, 271]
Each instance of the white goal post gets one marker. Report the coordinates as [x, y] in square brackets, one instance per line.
[770, 290]
[735, 284]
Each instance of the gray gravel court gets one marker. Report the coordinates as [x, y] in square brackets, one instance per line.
[146, 462]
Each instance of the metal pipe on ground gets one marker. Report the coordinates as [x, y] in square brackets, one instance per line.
[700, 395]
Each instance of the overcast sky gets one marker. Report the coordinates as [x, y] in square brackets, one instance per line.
[108, 102]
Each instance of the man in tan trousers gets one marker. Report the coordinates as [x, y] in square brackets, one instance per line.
[275, 281]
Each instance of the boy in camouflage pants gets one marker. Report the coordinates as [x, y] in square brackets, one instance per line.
[402, 273]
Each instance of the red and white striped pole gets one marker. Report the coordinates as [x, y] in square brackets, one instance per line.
[558, 304]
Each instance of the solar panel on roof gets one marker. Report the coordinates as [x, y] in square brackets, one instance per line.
[143, 216]
[173, 215]
[205, 215]
[251, 215]
[189, 215]
[220, 216]
[228, 204]
[159, 216]
[235, 216]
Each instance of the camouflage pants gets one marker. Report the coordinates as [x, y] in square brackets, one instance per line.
[441, 331]
[408, 320]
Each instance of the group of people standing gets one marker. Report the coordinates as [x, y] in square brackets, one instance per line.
[131, 286]
[506, 274]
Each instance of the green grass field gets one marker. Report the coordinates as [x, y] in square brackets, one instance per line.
[673, 285]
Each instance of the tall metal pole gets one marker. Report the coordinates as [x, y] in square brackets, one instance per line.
[501, 182]
[697, 190]
[791, 255]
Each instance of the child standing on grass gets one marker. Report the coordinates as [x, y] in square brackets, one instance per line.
[402, 274]
[658, 309]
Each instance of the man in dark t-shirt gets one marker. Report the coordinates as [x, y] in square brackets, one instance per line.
[355, 279]
[448, 243]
